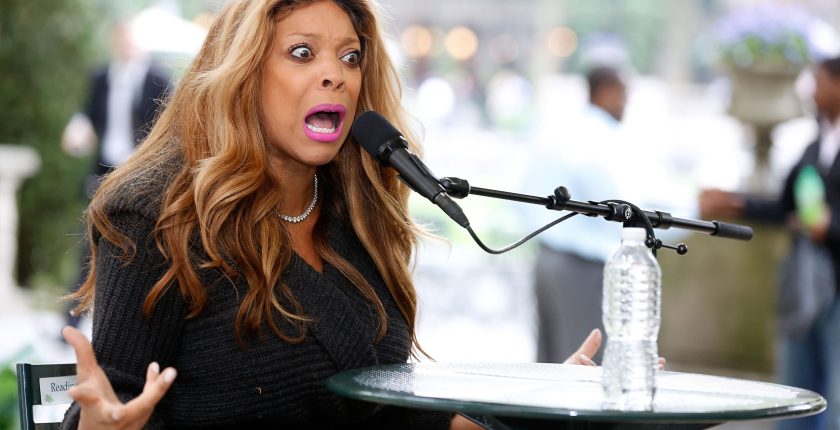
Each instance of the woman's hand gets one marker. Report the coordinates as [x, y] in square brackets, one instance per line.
[459, 422]
[590, 347]
[587, 350]
[101, 409]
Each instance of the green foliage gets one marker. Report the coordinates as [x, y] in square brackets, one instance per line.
[8, 398]
[45, 53]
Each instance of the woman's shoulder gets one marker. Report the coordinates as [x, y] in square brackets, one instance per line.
[143, 190]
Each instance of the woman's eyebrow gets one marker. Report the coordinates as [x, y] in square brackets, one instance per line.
[317, 36]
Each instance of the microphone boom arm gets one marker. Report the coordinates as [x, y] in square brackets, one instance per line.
[612, 211]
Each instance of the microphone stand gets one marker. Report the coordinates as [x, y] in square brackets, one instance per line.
[611, 210]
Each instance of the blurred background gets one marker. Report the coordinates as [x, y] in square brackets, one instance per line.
[488, 83]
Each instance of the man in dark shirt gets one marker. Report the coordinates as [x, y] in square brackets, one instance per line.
[122, 105]
[810, 357]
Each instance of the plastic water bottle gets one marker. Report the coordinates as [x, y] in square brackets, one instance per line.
[809, 195]
[631, 315]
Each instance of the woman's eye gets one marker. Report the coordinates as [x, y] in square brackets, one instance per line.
[302, 52]
[352, 58]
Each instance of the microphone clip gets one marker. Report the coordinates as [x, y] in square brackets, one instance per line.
[559, 199]
[680, 249]
[455, 187]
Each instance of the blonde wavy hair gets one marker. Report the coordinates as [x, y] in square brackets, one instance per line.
[225, 193]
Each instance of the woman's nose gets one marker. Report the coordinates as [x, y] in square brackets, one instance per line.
[333, 77]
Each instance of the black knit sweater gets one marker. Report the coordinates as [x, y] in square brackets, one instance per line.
[269, 384]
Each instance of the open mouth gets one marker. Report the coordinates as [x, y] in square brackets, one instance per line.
[324, 122]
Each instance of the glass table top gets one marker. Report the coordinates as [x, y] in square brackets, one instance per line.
[559, 391]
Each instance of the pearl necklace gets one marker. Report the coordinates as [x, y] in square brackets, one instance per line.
[305, 214]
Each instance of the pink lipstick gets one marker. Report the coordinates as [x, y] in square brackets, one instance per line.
[324, 122]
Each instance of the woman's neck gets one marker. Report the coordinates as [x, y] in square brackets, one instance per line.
[298, 186]
[297, 183]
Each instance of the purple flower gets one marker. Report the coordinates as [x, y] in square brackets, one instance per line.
[769, 33]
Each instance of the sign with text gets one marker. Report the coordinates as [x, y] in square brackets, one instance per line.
[54, 390]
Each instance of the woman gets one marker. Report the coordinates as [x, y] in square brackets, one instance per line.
[249, 243]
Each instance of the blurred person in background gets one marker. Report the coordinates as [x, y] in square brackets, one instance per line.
[570, 262]
[121, 106]
[810, 351]
[120, 110]
[595, 159]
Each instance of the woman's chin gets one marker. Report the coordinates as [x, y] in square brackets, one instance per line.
[317, 160]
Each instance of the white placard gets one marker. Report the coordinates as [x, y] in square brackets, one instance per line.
[54, 390]
[49, 414]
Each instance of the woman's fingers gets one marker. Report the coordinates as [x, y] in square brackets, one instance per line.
[587, 349]
[87, 368]
[86, 393]
[157, 384]
[586, 361]
[590, 347]
[136, 412]
[152, 371]
[592, 344]
[85, 359]
[94, 393]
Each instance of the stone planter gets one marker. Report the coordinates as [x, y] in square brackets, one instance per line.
[764, 95]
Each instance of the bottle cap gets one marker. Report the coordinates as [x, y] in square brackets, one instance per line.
[635, 234]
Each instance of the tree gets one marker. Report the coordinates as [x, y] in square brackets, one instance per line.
[45, 53]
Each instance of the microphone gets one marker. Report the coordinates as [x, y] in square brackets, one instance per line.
[387, 145]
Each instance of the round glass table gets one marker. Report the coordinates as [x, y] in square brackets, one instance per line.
[560, 396]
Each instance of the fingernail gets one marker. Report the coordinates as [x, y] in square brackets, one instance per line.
[154, 367]
[169, 375]
[586, 360]
[115, 415]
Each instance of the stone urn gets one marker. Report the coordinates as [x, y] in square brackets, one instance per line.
[763, 96]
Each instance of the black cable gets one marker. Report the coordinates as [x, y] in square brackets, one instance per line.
[639, 213]
[521, 241]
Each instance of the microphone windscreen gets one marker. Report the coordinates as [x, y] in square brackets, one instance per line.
[371, 130]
